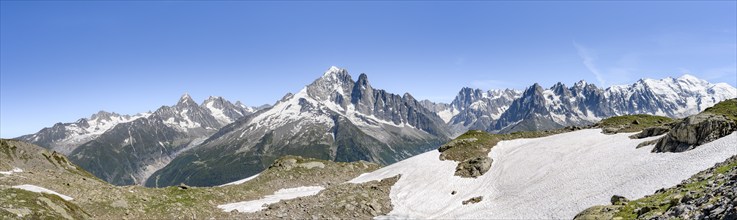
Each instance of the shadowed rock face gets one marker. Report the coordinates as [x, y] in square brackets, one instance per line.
[651, 132]
[694, 131]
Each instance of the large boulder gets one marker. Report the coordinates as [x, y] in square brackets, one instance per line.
[695, 130]
[473, 167]
[619, 200]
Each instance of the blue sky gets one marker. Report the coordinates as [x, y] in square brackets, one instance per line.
[61, 61]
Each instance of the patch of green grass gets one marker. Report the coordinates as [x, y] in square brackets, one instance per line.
[725, 168]
[475, 143]
[633, 123]
[728, 108]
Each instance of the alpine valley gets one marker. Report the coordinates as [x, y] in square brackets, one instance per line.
[340, 148]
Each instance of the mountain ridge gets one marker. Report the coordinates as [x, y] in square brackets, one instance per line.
[335, 106]
[334, 118]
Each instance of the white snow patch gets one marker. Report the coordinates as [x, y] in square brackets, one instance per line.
[478, 105]
[218, 114]
[14, 170]
[282, 194]
[39, 189]
[552, 177]
[240, 181]
[447, 114]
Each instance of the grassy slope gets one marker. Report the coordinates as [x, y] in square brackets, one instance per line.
[32, 205]
[661, 201]
[475, 143]
[633, 123]
[728, 108]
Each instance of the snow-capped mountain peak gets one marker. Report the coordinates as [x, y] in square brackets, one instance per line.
[581, 84]
[186, 100]
[334, 69]
[224, 111]
[691, 78]
[65, 137]
[334, 72]
[332, 86]
[333, 118]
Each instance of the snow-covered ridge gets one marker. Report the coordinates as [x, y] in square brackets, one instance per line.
[290, 110]
[38, 189]
[552, 177]
[65, 137]
[96, 125]
[282, 194]
[685, 95]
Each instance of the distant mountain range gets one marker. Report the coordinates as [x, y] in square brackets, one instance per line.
[536, 108]
[125, 150]
[341, 119]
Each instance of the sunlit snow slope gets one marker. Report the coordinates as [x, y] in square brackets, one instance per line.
[551, 177]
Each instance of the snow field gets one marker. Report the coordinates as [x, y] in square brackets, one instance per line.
[543, 178]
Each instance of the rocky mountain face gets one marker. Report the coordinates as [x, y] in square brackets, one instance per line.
[125, 150]
[538, 108]
[333, 118]
[477, 110]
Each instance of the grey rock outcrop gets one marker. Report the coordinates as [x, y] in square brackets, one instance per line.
[694, 131]
[651, 132]
[473, 167]
[618, 200]
[473, 200]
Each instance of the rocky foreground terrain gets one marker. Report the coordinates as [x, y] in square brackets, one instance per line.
[24, 163]
[710, 194]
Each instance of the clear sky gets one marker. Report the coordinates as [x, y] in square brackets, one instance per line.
[64, 60]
